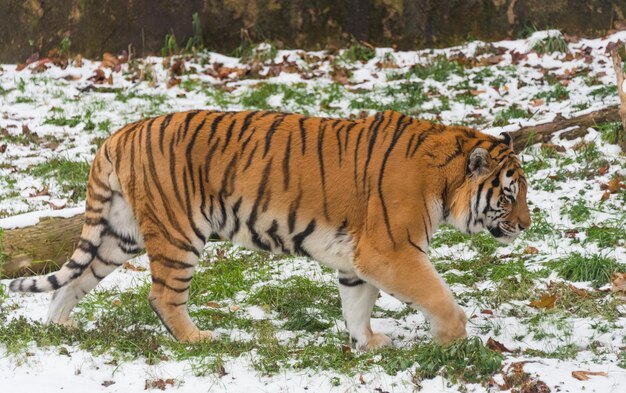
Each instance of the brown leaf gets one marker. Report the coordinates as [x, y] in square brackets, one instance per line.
[3, 147]
[361, 379]
[487, 312]
[579, 291]
[476, 92]
[615, 184]
[571, 233]
[605, 196]
[531, 250]
[234, 308]
[496, 346]
[129, 266]
[56, 207]
[109, 61]
[174, 81]
[537, 102]
[534, 386]
[78, 61]
[158, 383]
[547, 301]
[584, 375]
[618, 282]
[106, 384]
[213, 305]
[116, 302]
[604, 169]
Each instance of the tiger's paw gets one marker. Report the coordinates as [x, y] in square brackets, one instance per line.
[453, 330]
[376, 341]
[199, 336]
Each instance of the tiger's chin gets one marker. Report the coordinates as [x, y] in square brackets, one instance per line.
[502, 235]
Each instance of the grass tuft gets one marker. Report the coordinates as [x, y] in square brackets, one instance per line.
[594, 268]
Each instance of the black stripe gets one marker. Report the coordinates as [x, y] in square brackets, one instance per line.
[286, 163]
[351, 282]
[302, 133]
[256, 239]
[164, 124]
[246, 123]
[320, 156]
[420, 249]
[299, 238]
[270, 133]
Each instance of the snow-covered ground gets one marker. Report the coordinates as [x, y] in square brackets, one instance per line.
[50, 116]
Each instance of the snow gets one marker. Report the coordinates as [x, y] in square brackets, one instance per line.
[59, 93]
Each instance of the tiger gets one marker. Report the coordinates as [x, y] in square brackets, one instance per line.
[361, 196]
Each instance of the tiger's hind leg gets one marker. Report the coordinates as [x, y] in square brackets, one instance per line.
[357, 301]
[172, 263]
[109, 241]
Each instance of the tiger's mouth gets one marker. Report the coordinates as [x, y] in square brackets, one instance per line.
[502, 233]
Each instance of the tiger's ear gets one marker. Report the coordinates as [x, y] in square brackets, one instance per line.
[507, 139]
[479, 162]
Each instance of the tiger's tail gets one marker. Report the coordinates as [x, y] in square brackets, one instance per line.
[98, 205]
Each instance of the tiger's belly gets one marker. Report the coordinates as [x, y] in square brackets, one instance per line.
[277, 234]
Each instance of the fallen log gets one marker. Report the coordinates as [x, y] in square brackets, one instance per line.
[40, 248]
[541, 133]
[44, 247]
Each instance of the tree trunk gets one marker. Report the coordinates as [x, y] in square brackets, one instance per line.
[530, 135]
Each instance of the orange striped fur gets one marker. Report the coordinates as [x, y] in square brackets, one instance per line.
[361, 196]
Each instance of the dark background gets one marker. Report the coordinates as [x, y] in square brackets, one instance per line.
[98, 26]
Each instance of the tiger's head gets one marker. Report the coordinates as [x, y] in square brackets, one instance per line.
[492, 196]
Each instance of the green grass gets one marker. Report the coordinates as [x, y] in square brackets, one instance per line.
[439, 68]
[607, 236]
[558, 93]
[604, 92]
[612, 132]
[551, 44]
[307, 305]
[357, 52]
[593, 268]
[504, 116]
[70, 175]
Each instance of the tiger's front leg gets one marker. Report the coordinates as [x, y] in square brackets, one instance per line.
[357, 301]
[407, 274]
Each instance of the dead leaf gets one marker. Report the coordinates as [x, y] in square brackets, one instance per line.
[361, 379]
[234, 308]
[54, 206]
[109, 61]
[496, 346]
[604, 169]
[487, 312]
[547, 301]
[605, 196]
[78, 61]
[534, 386]
[346, 348]
[160, 384]
[571, 233]
[531, 250]
[618, 282]
[537, 102]
[476, 92]
[106, 384]
[117, 302]
[579, 291]
[129, 266]
[174, 81]
[584, 375]
[3, 148]
[213, 305]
